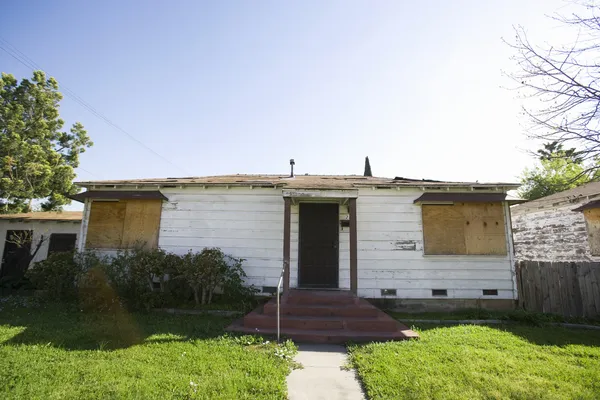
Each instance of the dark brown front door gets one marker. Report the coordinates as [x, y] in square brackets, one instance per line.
[319, 236]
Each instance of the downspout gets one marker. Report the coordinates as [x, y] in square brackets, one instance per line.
[511, 249]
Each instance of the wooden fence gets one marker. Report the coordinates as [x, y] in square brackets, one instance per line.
[566, 288]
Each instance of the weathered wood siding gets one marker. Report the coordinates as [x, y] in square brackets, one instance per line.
[39, 228]
[248, 223]
[553, 234]
[243, 222]
[571, 289]
[390, 254]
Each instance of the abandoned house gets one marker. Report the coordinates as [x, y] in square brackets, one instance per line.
[564, 226]
[409, 240]
[21, 234]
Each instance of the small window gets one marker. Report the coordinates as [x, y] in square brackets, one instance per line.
[439, 292]
[388, 292]
[61, 242]
[490, 292]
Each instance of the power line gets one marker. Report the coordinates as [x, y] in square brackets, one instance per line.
[15, 53]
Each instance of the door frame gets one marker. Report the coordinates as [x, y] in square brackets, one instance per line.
[300, 285]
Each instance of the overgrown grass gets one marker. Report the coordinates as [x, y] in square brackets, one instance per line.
[58, 352]
[477, 313]
[481, 362]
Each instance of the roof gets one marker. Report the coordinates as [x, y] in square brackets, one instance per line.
[470, 197]
[120, 194]
[587, 206]
[44, 216]
[571, 196]
[296, 182]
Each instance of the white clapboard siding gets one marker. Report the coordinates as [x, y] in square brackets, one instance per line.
[226, 233]
[223, 215]
[243, 222]
[248, 223]
[390, 254]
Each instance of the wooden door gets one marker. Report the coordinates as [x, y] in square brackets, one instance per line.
[318, 248]
[15, 257]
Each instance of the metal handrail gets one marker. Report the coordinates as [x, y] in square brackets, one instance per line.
[278, 302]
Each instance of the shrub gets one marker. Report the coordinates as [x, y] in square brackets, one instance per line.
[210, 269]
[131, 274]
[59, 274]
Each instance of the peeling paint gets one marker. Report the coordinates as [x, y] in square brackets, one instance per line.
[407, 245]
[557, 234]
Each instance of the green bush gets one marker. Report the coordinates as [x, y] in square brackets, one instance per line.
[131, 274]
[59, 274]
[211, 269]
[144, 279]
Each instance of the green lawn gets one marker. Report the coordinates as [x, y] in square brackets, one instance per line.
[481, 362]
[481, 314]
[57, 352]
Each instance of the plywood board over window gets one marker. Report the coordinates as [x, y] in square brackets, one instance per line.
[592, 223]
[464, 228]
[123, 224]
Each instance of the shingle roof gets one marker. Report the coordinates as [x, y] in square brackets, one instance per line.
[296, 182]
[575, 195]
[44, 216]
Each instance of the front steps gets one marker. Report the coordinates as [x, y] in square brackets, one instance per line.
[315, 316]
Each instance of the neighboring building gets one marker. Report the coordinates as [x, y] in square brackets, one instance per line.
[564, 226]
[415, 240]
[57, 231]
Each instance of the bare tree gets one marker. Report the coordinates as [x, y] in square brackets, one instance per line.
[561, 83]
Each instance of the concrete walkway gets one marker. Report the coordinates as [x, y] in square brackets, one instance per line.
[322, 376]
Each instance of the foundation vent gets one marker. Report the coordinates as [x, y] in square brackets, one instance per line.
[388, 292]
[269, 289]
[439, 292]
[490, 292]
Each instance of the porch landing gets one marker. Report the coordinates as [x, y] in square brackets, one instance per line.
[314, 316]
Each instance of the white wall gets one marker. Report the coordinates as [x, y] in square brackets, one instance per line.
[39, 229]
[243, 222]
[390, 254]
[248, 223]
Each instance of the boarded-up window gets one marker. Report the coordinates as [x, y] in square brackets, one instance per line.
[464, 228]
[592, 222]
[123, 224]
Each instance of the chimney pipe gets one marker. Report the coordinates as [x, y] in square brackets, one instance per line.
[292, 163]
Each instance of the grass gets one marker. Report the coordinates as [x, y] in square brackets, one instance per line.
[58, 352]
[477, 313]
[482, 362]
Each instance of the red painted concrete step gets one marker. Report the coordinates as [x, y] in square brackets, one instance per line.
[318, 310]
[258, 320]
[324, 336]
[314, 297]
[323, 317]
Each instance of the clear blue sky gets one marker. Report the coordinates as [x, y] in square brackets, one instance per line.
[243, 86]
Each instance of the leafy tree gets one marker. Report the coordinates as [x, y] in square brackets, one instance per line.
[367, 167]
[559, 170]
[37, 157]
[561, 81]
